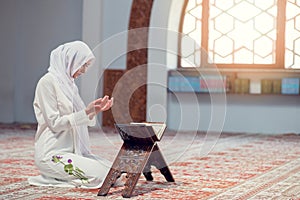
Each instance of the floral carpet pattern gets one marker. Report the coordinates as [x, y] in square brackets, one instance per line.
[240, 166]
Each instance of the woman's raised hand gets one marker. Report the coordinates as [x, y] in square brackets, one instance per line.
[98, 105]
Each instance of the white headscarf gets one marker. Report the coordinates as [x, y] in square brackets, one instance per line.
[65, 60]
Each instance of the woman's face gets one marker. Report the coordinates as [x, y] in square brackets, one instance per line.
[82, 69]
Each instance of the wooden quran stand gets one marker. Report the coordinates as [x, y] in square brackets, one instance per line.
[135, 157]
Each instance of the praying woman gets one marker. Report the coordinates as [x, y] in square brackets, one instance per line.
[62, 151]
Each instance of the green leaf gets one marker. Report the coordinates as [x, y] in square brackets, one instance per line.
[79, 170]
[55, 159]
[69, 169]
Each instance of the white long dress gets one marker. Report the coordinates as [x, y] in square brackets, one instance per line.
[56, 135]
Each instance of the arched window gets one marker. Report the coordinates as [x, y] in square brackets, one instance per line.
[241, 33]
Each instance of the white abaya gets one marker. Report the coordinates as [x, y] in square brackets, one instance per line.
[61, 128]
[56, 136]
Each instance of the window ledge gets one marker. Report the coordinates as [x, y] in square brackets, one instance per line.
[243, 73]
[253, 78]
[237, 70]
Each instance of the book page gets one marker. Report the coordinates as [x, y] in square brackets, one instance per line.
[157, 127]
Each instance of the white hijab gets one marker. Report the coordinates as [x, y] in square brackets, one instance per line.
[65, 60]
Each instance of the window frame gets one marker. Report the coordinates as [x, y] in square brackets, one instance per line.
[280, 40]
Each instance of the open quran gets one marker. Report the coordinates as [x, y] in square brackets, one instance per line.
[141, 132]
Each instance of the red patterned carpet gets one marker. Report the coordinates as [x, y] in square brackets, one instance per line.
[240, 166]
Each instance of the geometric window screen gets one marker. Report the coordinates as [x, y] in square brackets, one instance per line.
[234, 32]
[242, 32]
[192, 32]
[292, 34]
